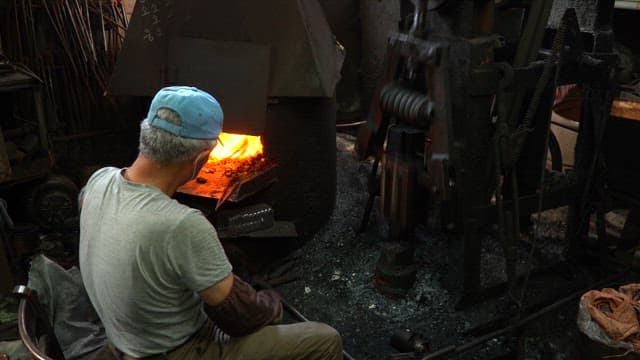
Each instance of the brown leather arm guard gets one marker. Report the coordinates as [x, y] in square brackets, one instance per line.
[245, 310]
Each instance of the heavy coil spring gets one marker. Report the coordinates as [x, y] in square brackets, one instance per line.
[406, 104]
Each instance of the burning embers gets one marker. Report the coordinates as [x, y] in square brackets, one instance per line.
[236, 169]
[236, 147]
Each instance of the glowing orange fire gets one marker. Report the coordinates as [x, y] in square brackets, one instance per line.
[236, 146]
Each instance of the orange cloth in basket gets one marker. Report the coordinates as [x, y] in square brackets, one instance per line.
[615, 312]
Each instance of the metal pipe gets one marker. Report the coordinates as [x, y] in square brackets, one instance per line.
[32, 348]
[353, 124]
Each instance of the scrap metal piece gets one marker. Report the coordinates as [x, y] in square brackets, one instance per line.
[251, 218]
[226, 193]
[280, 229]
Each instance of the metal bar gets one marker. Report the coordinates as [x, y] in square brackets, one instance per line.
[293, 311]
[595, 115]
[57, 26]
[285, 279]
[104, 32]
[42, 122]
[30, 307]
[24, 333]
[32, 27]
[88, 30]
[18, 36]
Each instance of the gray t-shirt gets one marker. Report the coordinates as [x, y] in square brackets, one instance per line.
[143, 257]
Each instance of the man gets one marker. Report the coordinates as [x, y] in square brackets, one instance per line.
[155, 270]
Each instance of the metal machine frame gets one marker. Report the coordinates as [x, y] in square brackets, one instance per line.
[467, 135]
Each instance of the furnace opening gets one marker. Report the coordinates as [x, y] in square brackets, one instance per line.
[236, 168]
[236, 147]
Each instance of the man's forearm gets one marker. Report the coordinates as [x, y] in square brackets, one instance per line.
[245, 310]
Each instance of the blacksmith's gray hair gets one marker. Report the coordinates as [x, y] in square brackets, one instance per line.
[166, 148]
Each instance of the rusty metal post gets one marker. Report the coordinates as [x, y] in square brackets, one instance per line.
[588, 164]
[395, 271]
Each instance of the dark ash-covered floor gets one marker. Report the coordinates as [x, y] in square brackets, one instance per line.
[337, 267]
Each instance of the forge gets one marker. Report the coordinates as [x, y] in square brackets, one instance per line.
[236, 168]
[275, 79]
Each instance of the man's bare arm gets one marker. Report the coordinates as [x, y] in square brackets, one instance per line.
[216, 294]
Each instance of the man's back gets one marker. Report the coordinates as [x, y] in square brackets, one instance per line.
[142, 257]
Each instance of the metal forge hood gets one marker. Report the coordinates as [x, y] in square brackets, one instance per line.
[240, 51]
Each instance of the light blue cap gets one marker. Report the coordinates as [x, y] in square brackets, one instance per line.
[200, 112]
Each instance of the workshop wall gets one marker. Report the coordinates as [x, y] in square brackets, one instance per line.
[362, 27]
